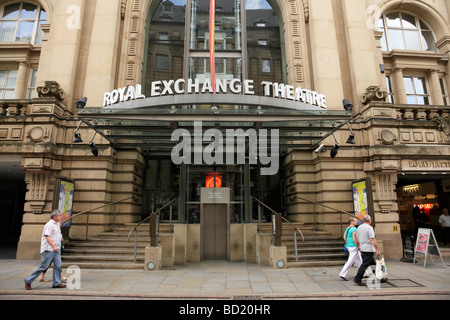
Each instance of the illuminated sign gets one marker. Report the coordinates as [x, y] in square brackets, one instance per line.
[210, 181]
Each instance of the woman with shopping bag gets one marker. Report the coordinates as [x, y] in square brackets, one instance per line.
[354, 256]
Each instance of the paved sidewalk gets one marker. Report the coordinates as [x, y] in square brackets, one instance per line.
[227, 280]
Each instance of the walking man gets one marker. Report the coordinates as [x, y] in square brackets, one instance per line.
[50, 242]
[444, 220]
[365, 238]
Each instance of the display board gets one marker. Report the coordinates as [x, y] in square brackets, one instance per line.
[426, 244]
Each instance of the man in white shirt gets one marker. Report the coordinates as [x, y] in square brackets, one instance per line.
[367, 244]
[444, 220]
[50, 243]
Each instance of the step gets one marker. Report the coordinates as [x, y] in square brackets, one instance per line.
[319, 256]
[101, 258]
[101, 265]
[312, 263]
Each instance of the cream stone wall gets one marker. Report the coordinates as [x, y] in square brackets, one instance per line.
[331, 46]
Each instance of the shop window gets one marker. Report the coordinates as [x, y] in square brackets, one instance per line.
[21, 22]
[8, 80]
[416, 90]
[404, 31]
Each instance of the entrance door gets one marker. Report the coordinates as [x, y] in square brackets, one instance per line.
[215, 232]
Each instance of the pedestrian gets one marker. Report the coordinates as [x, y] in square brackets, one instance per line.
[354, 257]
[50, 242]
[42, 276]
[444, 220]
[365, 241]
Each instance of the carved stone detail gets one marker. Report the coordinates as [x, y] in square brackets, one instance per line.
[373, 93]
[52, 89]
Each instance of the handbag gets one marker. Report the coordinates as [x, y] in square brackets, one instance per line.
[381, 270]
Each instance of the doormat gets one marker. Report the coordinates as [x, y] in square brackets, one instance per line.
[403, 283]
[247, 298]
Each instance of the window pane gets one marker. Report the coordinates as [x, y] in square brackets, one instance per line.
[393, 20]
[265, 65]
[11, 11]
[12, 77]
[28, 11]
[409, 87]
[419, 84]
[7, 31]
[409, 21]
[2, 78]
[422, 100]
[383, 41]
[25, 31]
[43, 15]
[162, 62]
[428, 41]
[40, 33]
[9, 94]
[396, 39]
[228, 24]
[412, 40]
[381, 23]
[411, 99]
[423, 25]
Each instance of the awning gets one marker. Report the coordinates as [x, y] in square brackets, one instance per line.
[149, 123]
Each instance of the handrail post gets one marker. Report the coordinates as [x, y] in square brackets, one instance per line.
[153, 230]
[114, 219]
[87, 225]
[295, 245]
[259, 218]
[278, 230]
[135, 245]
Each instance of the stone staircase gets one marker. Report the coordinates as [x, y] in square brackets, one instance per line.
[320, 248]
[109, 250]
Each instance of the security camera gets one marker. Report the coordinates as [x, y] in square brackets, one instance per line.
[320, 148]
[348, 106]
[81, 103]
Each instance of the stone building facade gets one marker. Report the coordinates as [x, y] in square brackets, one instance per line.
[390, 58]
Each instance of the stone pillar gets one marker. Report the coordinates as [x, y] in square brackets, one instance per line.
[21, 82]
[436, 88]
[399, 87]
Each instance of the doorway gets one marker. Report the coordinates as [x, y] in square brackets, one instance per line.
[215, 232]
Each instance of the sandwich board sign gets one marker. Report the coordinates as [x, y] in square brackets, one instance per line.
[426, 244]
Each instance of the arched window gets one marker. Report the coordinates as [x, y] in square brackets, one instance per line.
[405, 31]
[21, 22]
[173, 53]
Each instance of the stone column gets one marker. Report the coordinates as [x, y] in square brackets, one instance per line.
[21, 82]
[436, 92]
[399, 87]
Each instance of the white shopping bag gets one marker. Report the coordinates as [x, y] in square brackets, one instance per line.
[381, 271]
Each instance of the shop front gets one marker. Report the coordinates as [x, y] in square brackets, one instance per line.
[423, 192]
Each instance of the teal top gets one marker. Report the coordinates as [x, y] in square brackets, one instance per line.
[349, 231]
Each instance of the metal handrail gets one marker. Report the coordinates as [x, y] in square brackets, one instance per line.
[101, 207]
[296, 229]
[328, 207]
[137, 225]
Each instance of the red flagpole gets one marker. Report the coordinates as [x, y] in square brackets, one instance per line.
[212, 42]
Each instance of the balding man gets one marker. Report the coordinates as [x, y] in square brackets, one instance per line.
[365, 240]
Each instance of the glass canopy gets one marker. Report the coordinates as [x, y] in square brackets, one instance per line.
[144, 124]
